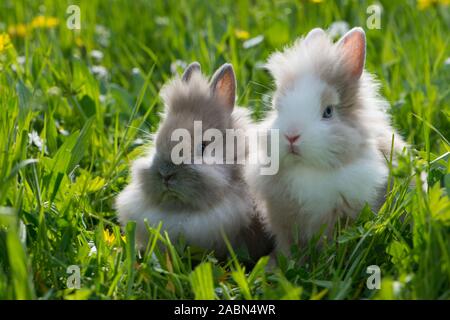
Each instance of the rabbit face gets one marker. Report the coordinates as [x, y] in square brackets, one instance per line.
[185, 186]
[190, 185]
[318, 100]
[313, 130]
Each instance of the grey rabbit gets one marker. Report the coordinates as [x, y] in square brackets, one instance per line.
[195, 201]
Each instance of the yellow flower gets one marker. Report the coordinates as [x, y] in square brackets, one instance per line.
[19, 30]
[316, 1]
[424, 4]
[22, 30]
[79, 42]
[109, 237]
[44, 22]
[5, 42]
[242, 34]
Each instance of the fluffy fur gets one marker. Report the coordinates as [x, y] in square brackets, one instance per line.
[198, 201]
[337, 164]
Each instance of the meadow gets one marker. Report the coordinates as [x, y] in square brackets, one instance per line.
[77, 106]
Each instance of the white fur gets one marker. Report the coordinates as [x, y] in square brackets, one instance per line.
[316, 193]
[329, 178]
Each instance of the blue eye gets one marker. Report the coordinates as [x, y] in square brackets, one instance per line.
[328, 112]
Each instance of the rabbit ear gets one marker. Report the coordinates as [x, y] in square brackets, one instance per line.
[314, 34]
[353, 46]
[193, 67]
[223, 85]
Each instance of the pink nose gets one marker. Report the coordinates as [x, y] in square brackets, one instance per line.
[292, 138]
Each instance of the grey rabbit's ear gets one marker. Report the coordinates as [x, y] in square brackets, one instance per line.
[223, 85]
[193, 67]
[353, 46]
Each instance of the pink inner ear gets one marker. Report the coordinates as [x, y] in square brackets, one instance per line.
[354, 48]
[225, 90]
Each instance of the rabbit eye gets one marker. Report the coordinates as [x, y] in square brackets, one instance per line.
[328, 112]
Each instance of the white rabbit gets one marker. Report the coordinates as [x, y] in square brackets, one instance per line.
[195, 201]
[335, 137]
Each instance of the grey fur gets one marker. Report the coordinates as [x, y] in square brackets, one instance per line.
[195, 189]
[193, 67]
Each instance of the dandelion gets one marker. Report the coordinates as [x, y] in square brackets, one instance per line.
[100, 72]
[103, 35]
[5, 42]
[424, 4]
[22, 232]
[162, 21]
[177, 64]
[61, 129]
[22, 30]
[21, 60]
[79, 42]
[241, 34]
[109, 237]
[93, 248]
[42, 8]
[19, 30]
[54, 91]
[63, 132]
[253, 42]
[397, 288]
[135, 71]
[35, 139]
[97, 55]
[424, 180]
[338, 29]
[44, 22]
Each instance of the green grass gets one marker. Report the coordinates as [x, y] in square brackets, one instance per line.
[56, 200]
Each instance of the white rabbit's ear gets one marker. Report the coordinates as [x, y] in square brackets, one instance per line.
[223, 85]
[193, 67]
[353, 46]
[314, 34]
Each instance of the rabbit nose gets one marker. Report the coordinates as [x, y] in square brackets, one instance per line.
[166, 174]
[166, 177]
[292, 138]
